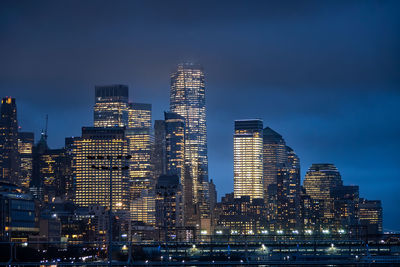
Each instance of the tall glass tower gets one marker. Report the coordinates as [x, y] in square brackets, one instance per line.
[188, 100]
[274, 157]
[9, 156]
[248, 159]
[319, 182]
[111, 106]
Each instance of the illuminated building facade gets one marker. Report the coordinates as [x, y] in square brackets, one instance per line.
[274, 157]
[371, 216]
[319, 181]
[169, 206]
[248, 159]
[111, 106]
[143, 208]
[187, 99]
[92, 176]
[242, 216]
[346, 202]
[9, 156]
[140, 143]
[139, 115]
[17, 214]
[288, 194]
[25, 149]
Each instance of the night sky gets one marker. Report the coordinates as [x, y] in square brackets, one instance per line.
[325, 75]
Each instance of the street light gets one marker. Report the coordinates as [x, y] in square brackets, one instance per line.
[110, 168]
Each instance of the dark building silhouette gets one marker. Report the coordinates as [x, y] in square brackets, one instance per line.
[159, 157]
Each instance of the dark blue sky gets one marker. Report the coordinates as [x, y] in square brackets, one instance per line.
[324, 74]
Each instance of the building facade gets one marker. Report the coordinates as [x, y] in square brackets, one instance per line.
[9, 156]
[111, 106]
[187, 99]
[94, 154]
[248, 159]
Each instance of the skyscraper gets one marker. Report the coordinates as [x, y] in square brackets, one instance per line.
[248, 159]
[371, 216]
[91, 168]
[111, 106]
[139, 115]
[175, 144]
[169, 206]
[187, 99]
[9, 156]
[288, 193]
[159, 157]
[319, 182]
[25, 149]
[274, 157]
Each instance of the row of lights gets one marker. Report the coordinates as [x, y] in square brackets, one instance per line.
[279, 232]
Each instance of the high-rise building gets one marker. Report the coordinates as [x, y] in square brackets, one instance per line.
[346, 202]
[25, 149]
[159, 157]
[17, 214]
[319, 182]
[187, 99]
[94, 154]
[248, 159]
[143, 208]
[9, 156]
[288, 193]
[111, 106]
[169, 207]
[140, 143]
[371, 216]
[274, 157]
[175, 144]
[139, 115]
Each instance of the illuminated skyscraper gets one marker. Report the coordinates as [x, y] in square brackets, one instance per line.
[288, 193]
[139, 115]
[319, 181]
[111, 106]
[187, 99]
[93, 175]
[169, 206]
[274, 157]
[25, 149]
[9, 157]
[248, 159]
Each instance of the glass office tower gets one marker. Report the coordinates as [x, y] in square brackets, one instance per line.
[25, 149]
[319, 182]
[111, 106]
[248, 159]
[274, 157]
[9, 156]
[187, 99]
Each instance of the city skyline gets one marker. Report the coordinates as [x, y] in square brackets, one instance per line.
[346, 131]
